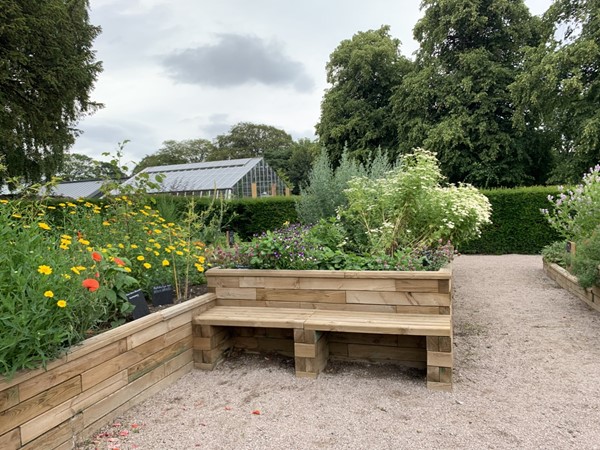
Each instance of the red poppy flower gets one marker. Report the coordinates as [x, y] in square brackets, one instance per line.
[90, 284]
[96, 256]
[119, 262]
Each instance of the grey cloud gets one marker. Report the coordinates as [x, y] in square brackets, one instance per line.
[236, 60]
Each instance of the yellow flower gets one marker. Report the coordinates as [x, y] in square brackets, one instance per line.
[49, 294]
[134, 246]
[121, 246]
[151, 240]
[201, 259]
[106, 223]
[66, 237]
[77, 269]
[165, 262]
[157, 245]
[127, 269]
[140, 258]
[66, 276]
[61, 303]
[51, 207]
[64, 246]
[84, 242]
[3, 201]
[45, 270]
[17, 216]
[62, 205]
[157, 231]
[167, 249]
[156, 253]
[199, 267]
[147, 265]
[44, 226]
[179, 252]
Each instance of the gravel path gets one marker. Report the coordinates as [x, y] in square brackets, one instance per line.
[527, 375]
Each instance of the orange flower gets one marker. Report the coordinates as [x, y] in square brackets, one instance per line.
[96, 256]
[119, 262]
[90, 284]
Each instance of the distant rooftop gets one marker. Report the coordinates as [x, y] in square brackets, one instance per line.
[204, 176]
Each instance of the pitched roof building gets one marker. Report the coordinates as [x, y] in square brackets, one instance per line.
[248, 177]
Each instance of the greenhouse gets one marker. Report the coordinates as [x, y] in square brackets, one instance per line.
[248, 177]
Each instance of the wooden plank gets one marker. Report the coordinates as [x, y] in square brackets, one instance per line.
[297, 295]
[45, 401]
[444, 286]
[433, 343]
[242, 303]
[281, 346]
[305, 350]
[111, 367]
[300, 364]
[251, 282]
[379, 353]
[338, 349]
[159, 358]
[431, 310]
[281, 283]
[58, 436]
[174, 364]
[10, 440]
[178, 334]
[52, 418]
[350, 307]
[446, 374]
[439, 359]
[282, 304]
[93, 427]
[224, 282]
[208, 343]
[254, 317]
[69, 370]
[415, 285]
[390, 340]
[433, 373]
[441, 274]
[9, 398]
[347, 284]
[306, 375]
[236, 293]
[116, 399]
[445, 344]
[245, 342]
[398, 298]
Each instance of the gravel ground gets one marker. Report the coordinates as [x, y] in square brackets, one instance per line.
[527, 375]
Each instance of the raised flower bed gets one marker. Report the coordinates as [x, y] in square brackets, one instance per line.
[590, 296]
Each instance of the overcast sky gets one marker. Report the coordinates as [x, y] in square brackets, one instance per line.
[187, 69]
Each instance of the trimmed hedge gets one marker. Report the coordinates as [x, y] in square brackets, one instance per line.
[517, 224]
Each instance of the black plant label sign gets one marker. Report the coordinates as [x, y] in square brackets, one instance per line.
[162, 295]
[137, 299]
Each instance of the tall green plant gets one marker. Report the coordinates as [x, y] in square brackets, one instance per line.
[411, 208]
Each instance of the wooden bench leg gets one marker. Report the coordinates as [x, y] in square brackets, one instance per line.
[311, 352]
[439, 363]
[209, 344]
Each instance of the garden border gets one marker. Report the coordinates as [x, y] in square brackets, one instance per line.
[97, 380]
[591, 296]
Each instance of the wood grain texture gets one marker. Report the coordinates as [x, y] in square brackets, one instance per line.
[9, 398]
[60, 435]
[10, 440]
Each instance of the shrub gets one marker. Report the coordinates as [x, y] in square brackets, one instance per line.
[411, 208]
[586, 262]
[575, 213]
[556, 253]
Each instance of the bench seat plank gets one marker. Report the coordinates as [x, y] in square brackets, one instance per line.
[254, 317]
[379, 323]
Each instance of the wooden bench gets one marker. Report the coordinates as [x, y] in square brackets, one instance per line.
[316, 326]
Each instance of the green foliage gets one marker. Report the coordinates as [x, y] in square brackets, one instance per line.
[556, 253]
[325, 192]
[304, 152]
[586, 262]
[457, 100]
[575, 213]
[559, 88]
[517, 225]
[77, 167]
[411, 208]
[177, 152]
[248, 217]
[47, 72]
[356, 111]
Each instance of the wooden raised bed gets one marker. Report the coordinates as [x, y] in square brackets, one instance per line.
[564, 279]
[394, 293]
[98, 380]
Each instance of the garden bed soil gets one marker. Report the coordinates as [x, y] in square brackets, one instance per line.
[527, 355]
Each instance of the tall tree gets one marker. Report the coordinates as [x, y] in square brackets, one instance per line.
[356, 110]
[47, 71]
[304, 152]
[559, 90]
[250, 140]
[457, 101]
[78, 167]
[177, 152]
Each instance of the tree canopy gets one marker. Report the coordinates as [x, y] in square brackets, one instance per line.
[356, 111]
[78, 167]
[47, 71]
[559, 90]
[457, 102]
[177, 152]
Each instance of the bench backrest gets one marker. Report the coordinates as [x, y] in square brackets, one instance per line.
[375, 291]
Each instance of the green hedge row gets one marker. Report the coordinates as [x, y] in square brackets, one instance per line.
[517, 224]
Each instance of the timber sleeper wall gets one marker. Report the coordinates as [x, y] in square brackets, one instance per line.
[389, 292]
[98, 380]
[564, 279]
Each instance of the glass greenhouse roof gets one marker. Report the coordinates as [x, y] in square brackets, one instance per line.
[205, 176]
